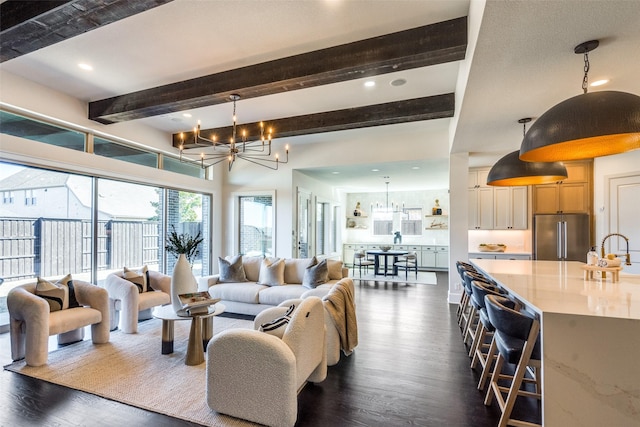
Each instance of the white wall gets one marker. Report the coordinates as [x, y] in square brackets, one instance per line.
[604, 169]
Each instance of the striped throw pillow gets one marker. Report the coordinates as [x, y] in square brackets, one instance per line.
[277, 326]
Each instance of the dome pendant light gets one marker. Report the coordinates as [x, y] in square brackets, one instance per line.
[585, 126]
[511, 171]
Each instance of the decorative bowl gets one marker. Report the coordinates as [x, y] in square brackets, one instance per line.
[492, 247]
[385, 248]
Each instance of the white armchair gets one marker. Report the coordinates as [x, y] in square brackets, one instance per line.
[31, 323]
[128, 305]
[256, 376]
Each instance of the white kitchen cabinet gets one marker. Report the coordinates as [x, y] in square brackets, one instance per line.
[428, 258]
[481, 208]
[442, 257]
[510, 208]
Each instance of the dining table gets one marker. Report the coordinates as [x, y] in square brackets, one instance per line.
[393, 254]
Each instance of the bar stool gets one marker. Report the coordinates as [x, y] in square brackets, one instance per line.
[468, 315]
[462, 267]
[517, 339]
[484, 328]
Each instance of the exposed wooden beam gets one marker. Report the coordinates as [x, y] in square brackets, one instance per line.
[27, 26]
[411, 110]
[419, 47]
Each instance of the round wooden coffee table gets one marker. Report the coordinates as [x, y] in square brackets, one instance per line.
[199, 335]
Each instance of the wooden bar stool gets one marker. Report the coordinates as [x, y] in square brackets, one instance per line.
[517, 339]
[462, 267]
[484, 329]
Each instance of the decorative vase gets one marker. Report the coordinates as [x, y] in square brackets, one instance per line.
[182, 281]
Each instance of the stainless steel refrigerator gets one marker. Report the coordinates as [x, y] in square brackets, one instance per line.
[561, 237]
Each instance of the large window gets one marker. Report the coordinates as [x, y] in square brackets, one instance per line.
[323, 228]
[89, 226]
[255, 224]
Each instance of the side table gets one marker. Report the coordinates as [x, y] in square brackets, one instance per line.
[199, 335]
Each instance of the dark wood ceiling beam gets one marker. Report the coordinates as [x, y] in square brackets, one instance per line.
[411, 110]
[27, 26]
[419, 47]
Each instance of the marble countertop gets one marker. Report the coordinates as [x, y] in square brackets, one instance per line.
[560, 287]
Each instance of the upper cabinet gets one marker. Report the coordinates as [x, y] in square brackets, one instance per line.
[573, 195]
[496, 208]
[510, 208]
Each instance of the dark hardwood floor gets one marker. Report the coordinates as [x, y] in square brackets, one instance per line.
[410, 368]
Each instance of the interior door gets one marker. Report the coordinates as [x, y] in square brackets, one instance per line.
[624, 192]
[303, 231]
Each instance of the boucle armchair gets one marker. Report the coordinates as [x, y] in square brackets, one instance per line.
[128, 305]
[339, 316]
[31, 323]
[257, 376]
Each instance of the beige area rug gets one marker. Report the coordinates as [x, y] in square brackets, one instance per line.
[424, 278]
[131, 369]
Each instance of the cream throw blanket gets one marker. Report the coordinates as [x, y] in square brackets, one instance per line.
[340, 304]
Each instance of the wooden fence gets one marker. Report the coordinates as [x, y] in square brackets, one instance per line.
[31, 247]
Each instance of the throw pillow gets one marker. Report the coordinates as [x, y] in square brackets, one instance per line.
[272, 272]
[60, 295]
[316, 274]
[139, 277]
[277, 326]
[231, 270]
[335, 269]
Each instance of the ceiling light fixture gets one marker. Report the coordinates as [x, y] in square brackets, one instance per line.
[511, 171]
[211, 152]
[585, 126]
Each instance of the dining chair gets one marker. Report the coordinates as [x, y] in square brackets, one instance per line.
[360, 260]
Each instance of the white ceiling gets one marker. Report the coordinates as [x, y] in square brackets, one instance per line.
[522, 65]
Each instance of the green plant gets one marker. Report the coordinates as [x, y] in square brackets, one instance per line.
[183, 244]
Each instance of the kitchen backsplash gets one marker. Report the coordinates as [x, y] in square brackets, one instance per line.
[516, 240]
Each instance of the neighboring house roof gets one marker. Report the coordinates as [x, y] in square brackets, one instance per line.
[116, 199]
[30, 178]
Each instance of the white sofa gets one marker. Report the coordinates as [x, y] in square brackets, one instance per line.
[256, 376]
[251, 298]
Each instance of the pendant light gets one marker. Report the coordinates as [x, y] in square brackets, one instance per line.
[511, 171]
[585, 126]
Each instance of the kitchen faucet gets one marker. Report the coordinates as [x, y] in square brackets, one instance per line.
[627, 255]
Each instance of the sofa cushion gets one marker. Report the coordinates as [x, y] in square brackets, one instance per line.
[277, 326]
[315, 274]
[60, 295]
[231, 270]
[274, 295]
[139, 277]
[240, 292]
[272, 272]
[294, 269]
[335, 269]
[251, 266]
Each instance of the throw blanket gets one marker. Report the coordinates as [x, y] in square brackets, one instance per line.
[342, 309]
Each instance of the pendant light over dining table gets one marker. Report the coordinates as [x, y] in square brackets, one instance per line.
[585, 126]
[511, 171]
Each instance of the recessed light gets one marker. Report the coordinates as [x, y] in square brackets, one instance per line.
[600, 82]
[186, 115]
[369, 83]
[85, 67]
[375, 170]
[415, 168]
[398, 82]
[335, 173]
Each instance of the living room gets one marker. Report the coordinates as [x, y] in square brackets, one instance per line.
[512, 51]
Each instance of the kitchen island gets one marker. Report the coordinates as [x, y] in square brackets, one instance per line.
[590, 339]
